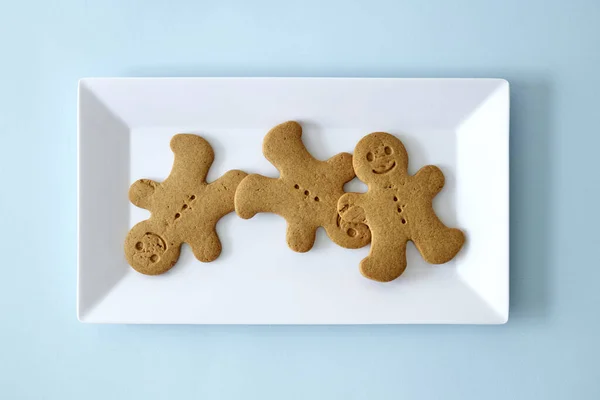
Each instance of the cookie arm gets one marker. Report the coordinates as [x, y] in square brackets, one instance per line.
[341, 165]
[431, 178]
[257, 193]
[141, 191]
[350, 208]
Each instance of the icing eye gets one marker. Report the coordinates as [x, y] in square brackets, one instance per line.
[388, 150]
[369, 156]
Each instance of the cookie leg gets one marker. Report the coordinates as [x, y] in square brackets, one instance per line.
[206, 247]
[284, 148]
[300, 236]
[222, 193]
[193, 158]
[438, 244]
[386, 261]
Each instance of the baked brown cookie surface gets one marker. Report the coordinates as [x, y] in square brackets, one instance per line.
[185, 209]
[306, 193]
[397, 208]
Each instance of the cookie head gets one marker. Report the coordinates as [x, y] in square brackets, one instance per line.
[149, 249]
[148, 252]
[379, 155]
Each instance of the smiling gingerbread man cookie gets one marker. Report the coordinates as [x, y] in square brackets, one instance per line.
[306, 193]
[397, 208]
[185, 209]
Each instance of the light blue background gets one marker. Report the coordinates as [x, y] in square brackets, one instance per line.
[548, 50]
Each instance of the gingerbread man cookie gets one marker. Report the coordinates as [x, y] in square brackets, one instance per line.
[397, 208]
[305, 194]
[185, 209]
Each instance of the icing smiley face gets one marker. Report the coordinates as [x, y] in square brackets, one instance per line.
[379, 155]
[384, 164]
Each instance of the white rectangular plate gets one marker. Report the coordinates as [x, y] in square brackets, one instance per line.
[460, 125]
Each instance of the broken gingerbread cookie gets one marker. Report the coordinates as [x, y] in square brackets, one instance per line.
[397, 208]
[306, 193]
[185, 209]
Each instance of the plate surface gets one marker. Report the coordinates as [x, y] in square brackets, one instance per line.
[124, 128]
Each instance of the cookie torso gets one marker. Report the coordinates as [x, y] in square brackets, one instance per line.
[305, 194]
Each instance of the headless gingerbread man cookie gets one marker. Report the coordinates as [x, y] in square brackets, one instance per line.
[185, 209]
[306, 193]
[397, 208]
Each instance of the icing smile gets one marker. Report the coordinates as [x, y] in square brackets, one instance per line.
[384, 169]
